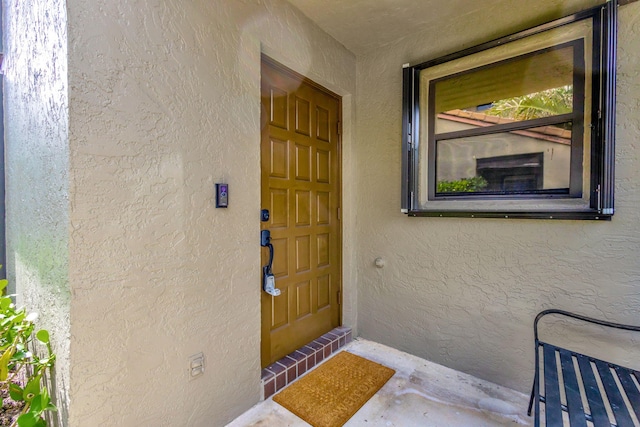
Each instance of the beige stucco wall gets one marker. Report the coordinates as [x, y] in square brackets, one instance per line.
[464, 292]
[36, 150]
[164, 102]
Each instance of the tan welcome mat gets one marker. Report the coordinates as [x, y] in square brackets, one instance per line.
[329, 395]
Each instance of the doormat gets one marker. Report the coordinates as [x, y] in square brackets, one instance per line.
[329, 395]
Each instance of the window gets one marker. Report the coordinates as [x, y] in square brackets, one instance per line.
[519, 127]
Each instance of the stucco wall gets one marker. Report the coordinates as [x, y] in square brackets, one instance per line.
[464, 292]
[164, 102]
[36, 134]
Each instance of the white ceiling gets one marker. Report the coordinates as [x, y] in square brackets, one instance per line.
[364, 25]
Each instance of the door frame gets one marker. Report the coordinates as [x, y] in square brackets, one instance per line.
[296, 75]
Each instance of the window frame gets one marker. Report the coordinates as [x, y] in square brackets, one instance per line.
[602, 122]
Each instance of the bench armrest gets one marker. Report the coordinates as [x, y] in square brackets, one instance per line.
[580, 317]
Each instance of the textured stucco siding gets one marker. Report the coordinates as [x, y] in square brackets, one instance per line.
[164, 102]
[464, 292]
[37, 163]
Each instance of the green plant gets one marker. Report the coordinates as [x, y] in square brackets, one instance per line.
[463, 185]
[21, 369]
[546, 103]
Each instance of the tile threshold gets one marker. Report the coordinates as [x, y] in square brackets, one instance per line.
[283, 372]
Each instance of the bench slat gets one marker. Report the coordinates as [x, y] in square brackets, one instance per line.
[572, 390]
[616, 402]
[598, 412]
[624, 375]
[552, 404]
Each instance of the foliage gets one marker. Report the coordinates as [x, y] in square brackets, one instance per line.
[16, 360]
[550, 102]
[464, 185]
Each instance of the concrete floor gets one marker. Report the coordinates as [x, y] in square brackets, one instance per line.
[421, 393]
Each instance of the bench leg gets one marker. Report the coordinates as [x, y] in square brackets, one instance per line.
[533, 393]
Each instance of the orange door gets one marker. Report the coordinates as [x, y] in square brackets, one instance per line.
[300, 154]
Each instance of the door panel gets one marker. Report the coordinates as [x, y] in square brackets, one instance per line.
[301, 188]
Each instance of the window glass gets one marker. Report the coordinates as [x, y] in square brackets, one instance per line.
[531, 87]
[473, 112]
[483, 160]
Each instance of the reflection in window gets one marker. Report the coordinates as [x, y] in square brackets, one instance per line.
[530, 87]
[487, 163]
[514, 109]
[518, 173]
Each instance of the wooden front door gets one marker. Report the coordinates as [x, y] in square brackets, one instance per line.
[300, 175]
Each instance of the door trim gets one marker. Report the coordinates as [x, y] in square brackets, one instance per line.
[286, 70]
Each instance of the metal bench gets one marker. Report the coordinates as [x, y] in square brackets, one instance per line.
[585, 391]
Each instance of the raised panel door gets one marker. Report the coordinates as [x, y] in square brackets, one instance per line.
[300, 179]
